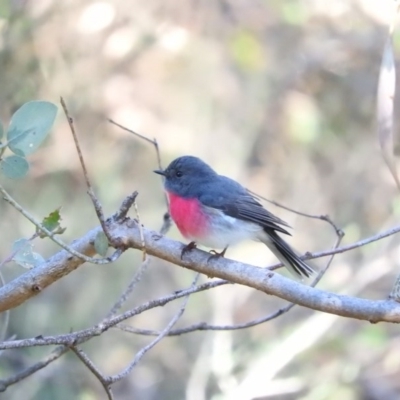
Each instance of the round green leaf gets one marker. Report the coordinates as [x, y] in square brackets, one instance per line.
[101, 244]
[30, 125]
[14, 167]
[24, 256]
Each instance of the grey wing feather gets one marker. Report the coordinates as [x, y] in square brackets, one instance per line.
[236, 201]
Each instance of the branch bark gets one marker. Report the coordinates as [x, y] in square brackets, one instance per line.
[126, 233]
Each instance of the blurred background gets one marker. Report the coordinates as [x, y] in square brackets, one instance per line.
[279, 95]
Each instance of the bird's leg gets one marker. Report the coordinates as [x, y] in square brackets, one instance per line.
[215, 254]
[190, 246]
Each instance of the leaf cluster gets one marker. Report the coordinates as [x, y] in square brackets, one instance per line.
[28, 128]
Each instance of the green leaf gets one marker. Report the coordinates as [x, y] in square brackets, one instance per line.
[14, 167]
[52, 224]
[101, 244]
[30, 125]
[24, 256]
[1, 130]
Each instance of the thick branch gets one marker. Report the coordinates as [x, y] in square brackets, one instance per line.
[127, 234]
[34, 281]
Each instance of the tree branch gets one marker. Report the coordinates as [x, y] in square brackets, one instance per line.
[90, 365]
[127, 233]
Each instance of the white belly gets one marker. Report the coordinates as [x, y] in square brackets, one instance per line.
[228, 231]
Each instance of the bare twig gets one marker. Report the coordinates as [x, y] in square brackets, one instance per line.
[203, 326]
[352, 246]
[145, 138]
[124, 296]
[54, 355]
[326, 218]
[90, 365]
[148, 140]
[126, 206]
[9, 258]
[328, 264]
[114, 256]
[160, 336]
[96, 203]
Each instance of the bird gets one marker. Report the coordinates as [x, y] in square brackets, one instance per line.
[217, 212]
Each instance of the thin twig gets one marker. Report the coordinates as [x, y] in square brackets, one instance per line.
[145, 138]
[7, 197]
[114, 256]
[162, 334]
[9, 258]
[203, 326]
[361, 243]
[328, 264]
[124, 296]
[326, 218]
[90, 365]
[126, 205]
[54, 355]
[148, 140]
[352, 246]
[96, 203]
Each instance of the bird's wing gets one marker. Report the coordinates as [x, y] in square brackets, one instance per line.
[234, 200]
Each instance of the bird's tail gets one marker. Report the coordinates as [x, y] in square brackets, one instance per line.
[287, 255]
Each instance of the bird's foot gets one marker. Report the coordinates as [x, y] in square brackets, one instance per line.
[189, 247]
[216, 254]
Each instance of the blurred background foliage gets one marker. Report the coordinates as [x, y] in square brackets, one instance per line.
[277, 94]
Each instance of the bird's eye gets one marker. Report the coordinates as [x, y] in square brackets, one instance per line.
[178, 174]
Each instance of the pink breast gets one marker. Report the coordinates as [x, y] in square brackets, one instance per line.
[188, 216]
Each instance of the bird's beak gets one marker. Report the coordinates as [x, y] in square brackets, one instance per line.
[159, 172]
